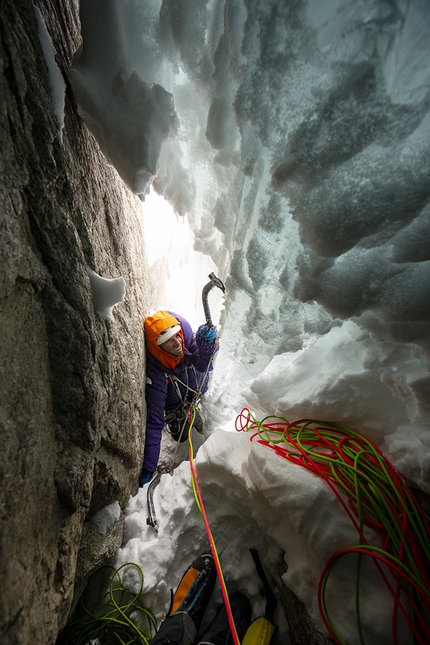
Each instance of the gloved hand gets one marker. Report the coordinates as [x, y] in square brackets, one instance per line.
[145, 477]
[208, 334]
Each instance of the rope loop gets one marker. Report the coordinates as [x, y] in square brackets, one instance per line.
[372, 493]
[114, 618]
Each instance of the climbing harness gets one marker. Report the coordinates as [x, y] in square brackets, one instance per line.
[376, 496]
[175, 418]
[176, 381]
[175, 421]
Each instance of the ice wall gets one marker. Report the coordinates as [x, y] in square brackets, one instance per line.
[295, 135]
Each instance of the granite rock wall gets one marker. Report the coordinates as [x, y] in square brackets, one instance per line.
[71, 406]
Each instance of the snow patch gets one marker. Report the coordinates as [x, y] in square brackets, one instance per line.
[106, 517]
[107, 293]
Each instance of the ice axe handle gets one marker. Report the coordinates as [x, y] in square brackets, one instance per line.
[214, 282]
[271, 601]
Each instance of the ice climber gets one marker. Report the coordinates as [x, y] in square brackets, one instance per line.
[177, 362]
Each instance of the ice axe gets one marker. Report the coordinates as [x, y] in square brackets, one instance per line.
[262, 629]
[214, 282]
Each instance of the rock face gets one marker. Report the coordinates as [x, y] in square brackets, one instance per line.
[71, 400]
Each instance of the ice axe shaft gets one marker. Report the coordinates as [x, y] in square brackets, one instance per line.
[271, 601]
[214, 282]
[151, 520]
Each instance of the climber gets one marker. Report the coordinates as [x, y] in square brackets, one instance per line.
[178, 363]
[189, 603]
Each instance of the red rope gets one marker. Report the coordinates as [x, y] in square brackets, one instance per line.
[377, 497]
[210, 537]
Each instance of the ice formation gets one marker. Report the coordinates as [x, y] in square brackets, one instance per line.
[129, 116]
[58, 85]
[107, 293]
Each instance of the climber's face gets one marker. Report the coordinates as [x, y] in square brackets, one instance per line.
[173, 345]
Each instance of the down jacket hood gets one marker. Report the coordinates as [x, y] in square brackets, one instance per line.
[154, 325]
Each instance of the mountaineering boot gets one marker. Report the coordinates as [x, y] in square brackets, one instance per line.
[177, 629]
[195, 589]
[188, 604]
[179, 422]
[218, 631]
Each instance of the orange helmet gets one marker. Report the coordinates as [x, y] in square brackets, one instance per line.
[164, 324]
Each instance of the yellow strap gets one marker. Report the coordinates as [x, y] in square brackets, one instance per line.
[259, 632]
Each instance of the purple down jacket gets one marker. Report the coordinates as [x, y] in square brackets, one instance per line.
[161, 393]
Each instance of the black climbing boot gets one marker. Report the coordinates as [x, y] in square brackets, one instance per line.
[195, 589]
[218, 631]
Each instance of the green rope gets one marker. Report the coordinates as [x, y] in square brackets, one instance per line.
[374, 495]
[114, 618]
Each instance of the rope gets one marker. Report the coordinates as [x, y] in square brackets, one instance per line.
[192, 405]
[199, 499]
[175, 380]
[200, 505]
[110, 620]
[377, 497]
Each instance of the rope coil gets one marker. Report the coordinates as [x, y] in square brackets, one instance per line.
[113, 619]
[376, 497]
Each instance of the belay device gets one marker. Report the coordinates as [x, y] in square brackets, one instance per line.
[151, 520]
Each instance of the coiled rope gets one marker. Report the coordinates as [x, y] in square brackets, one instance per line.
[113, 618]
[376, 496]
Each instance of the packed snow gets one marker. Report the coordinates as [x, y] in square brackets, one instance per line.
[107, 293]
[294, 140]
